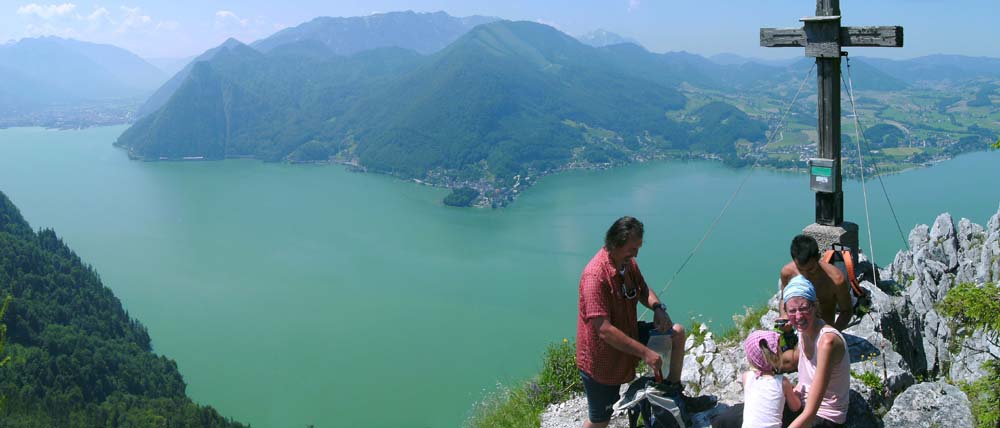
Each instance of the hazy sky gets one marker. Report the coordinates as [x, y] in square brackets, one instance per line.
[180, 28]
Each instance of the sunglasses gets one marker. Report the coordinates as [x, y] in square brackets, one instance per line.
[799, 310]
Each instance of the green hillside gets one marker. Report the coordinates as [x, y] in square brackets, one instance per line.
[506, 101]
[77, 358]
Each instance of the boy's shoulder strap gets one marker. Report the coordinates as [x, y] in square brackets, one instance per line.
[844, 255]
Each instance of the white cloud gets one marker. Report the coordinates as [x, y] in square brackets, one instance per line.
[134, 19]
[98, 14]
[97, 19]
[224, 17]
[634, 5]
[46, 11]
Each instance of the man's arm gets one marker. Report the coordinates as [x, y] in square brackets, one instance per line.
[661, 319]
[620, 341]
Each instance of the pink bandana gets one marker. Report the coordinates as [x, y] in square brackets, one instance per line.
[754, 354]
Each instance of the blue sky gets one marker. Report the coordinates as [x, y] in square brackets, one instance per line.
[180, 28]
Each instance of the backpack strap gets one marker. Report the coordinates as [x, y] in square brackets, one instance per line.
[851, 276]
[847, 257]
[827, 256]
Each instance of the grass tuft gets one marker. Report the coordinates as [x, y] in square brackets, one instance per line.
[522, 405]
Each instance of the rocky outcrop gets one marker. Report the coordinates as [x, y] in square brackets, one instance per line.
[930, 404]
[902, 338]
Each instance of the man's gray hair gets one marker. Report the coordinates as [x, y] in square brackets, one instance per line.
[623, 230]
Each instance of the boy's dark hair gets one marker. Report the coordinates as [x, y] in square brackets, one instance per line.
[622, 231]
[804, 248]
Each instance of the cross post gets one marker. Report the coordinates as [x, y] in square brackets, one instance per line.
[822, 37]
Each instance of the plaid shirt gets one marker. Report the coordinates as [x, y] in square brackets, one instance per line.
[601, 295]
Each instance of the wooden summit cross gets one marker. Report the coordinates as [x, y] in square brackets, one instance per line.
[822, 36]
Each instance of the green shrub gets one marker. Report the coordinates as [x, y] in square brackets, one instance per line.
[462, 197]
[560, 377]
[506, 408]
[870, 379]
[522, 406]
[696, 333]
[743, 324]
[869, 376]
[984, 394]
[3, 340]
[971, 308]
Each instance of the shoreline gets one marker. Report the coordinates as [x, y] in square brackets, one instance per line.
[502, 196]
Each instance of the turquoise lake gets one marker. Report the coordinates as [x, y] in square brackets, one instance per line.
[307, 294]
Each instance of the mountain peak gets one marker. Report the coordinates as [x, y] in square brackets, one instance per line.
[601, 37]
[424, 32]
[231, 42]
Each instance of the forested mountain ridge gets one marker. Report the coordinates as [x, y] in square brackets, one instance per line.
[77, 358]
[505, 102]
[422, 32]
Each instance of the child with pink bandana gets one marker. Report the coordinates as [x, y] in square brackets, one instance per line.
[765, 393]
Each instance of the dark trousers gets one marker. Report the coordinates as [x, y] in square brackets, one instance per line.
[733, 418]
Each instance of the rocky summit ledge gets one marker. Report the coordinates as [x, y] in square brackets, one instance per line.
[902, 340]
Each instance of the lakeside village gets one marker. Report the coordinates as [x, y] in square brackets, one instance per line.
[72, 116]
[483, 192]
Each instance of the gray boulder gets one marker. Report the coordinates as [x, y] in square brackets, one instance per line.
[930, 404]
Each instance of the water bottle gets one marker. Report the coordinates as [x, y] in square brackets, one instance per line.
[661, 343]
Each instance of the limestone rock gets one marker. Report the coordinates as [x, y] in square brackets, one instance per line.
[572, 413]
[943, 244]
[930, 404]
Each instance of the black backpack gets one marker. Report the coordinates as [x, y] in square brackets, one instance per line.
[656, 410]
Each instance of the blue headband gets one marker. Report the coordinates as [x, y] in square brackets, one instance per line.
[799, 286]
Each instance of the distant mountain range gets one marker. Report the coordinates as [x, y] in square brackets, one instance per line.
[37, 72]
[462, 102]
[470, 106]
[505, 100]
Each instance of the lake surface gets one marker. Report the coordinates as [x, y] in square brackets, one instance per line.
[306, 294]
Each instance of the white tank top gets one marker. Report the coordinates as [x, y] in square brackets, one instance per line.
[764, 401]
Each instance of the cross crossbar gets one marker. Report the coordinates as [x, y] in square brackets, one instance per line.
[884, 36]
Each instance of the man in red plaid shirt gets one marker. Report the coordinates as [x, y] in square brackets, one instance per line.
[607, 332]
